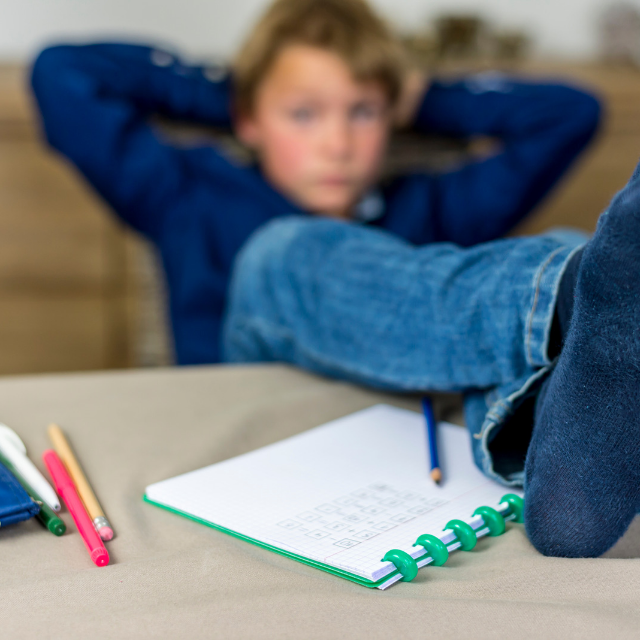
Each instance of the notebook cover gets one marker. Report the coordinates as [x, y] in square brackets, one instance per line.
[312, 563]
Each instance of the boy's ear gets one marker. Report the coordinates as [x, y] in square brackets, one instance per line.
[247, 130]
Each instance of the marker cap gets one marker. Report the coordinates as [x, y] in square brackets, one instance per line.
[100, 557]
[56, 526]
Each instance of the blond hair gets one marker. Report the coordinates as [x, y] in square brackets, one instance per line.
[348, 28]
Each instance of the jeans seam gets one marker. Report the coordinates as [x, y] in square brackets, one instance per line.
[535, 301]
[492, 414]
[490, 422]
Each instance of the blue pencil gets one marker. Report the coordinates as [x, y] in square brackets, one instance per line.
[430, 419]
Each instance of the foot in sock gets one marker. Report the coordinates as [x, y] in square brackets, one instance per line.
[582, 473]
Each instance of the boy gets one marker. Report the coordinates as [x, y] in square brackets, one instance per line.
[314, 92]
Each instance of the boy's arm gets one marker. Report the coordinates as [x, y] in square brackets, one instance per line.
[541, 128]
[94, 102]
[156, 81]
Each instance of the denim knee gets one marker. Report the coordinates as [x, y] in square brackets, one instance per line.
[266, 246]
[270, 246]
[264, 277]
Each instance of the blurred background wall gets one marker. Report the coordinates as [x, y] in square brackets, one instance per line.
[559, 28]
[78, 291]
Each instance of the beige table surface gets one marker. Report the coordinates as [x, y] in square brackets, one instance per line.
[173, 578]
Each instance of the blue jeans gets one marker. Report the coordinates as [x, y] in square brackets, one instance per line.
[355, 303]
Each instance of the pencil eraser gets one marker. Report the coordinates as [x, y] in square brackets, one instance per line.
[106, 533]
[100, 557]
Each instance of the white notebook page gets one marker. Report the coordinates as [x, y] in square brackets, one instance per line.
[343, 493]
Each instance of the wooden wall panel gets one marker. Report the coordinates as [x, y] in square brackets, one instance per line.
[51, 331]
[65, 291]
[53, 232]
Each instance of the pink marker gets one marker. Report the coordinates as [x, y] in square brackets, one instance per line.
[67, 491]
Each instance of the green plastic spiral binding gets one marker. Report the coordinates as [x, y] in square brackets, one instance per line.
[492, 520]
[464, 533]
[516, 506]
[404, 563]
[434, 547]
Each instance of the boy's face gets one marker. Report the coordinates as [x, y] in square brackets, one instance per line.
[320, 134]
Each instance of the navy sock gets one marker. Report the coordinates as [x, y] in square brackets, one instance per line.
[582, 471]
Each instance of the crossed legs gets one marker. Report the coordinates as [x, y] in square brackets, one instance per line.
[358, 304]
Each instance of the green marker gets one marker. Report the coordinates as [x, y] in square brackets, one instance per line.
[46, 515]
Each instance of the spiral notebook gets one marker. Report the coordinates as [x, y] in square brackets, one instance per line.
[340, 496]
